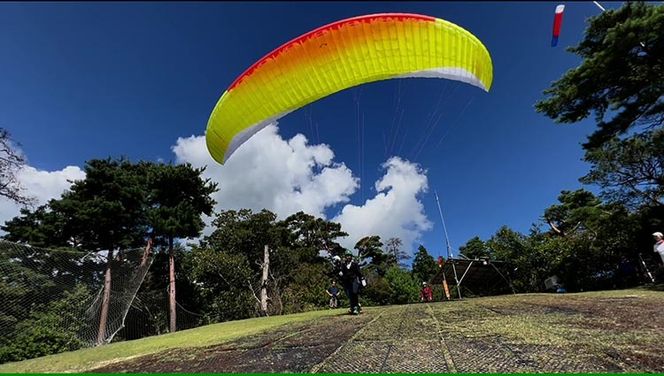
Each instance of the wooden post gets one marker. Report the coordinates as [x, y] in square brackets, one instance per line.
[441, 265]
[447, 290]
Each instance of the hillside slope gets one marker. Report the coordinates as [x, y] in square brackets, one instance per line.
[612, 331]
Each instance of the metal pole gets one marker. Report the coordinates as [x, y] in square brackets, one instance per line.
[599, 6]
[466, 272]
[447, 241]
[646, 268]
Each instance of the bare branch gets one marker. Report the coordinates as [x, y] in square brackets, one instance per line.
[554, 228]
[11, 161]
[251, 288]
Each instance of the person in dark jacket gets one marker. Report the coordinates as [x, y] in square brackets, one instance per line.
[351, 279]
[332, 292]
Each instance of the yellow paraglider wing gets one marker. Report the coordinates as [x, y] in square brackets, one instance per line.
[338, 56]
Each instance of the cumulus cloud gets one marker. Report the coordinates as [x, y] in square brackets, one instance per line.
[395, 211]
[40, 184]
[286, 176]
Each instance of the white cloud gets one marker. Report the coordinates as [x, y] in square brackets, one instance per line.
[395, 211]
[40, 184]
[286, 176]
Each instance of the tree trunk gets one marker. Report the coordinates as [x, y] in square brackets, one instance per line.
[266, 269]
[147, 252]
[171, 288]
[103, 317]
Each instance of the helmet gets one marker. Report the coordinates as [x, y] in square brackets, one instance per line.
[658, 234]
[348, 253]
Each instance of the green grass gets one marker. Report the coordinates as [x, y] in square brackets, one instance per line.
[90, 358]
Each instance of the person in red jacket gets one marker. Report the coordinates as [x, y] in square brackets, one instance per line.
[426, 294]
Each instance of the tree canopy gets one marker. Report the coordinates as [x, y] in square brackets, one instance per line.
[621, 77]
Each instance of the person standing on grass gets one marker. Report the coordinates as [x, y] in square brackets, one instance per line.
[659, 244]
[333, 291]
[426, 294]
[351, 278]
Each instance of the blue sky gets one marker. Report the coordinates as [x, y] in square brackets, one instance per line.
[91, 80]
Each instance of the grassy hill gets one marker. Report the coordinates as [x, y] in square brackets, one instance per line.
[86, 359]
[608, 331]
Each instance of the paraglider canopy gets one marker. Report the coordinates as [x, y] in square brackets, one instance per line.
[338, 56]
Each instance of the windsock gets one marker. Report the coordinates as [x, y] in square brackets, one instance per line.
[557, 23]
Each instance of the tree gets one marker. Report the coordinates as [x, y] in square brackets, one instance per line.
[247, 233]
[308, 235]
[369, 246]
[378, 290]
[20, 286]
[11, 161]
[294, 246]
[42, 227]
[595, 236]
[587, 243]
[309, 241]
[113, 209]
[50, 331]
[574, 210]
[529, 265]
[177, 198]
[621, 74]
[630, 171]
[474, 248]
[371, 256]
[424, 266]
[33, 279]
[403, 287]
[305, 290]
[106, 212]
[393, 249]
[152, 300]
[222, 278]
